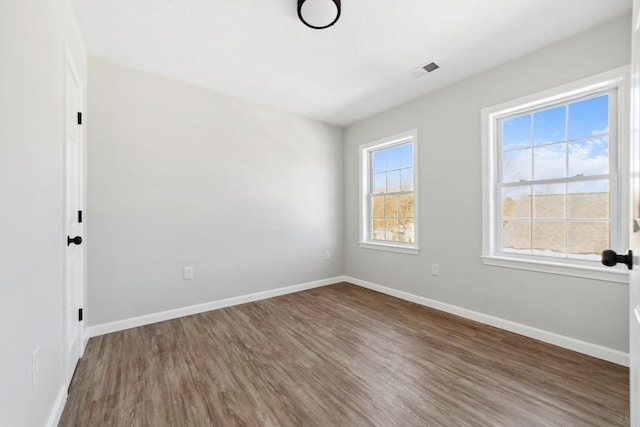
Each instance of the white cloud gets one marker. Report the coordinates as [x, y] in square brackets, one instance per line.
[587, 157]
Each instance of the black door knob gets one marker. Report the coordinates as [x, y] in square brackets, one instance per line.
[611, 258]
[75, 240]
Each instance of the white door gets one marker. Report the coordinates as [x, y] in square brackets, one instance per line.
[634, 287]
[74, 188]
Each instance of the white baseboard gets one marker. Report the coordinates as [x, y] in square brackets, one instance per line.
[595, 350]
[58, 407]
[134, 322]
[598, 351]
[85, 340]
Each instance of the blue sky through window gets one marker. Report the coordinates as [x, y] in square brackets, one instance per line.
[589, 117]
[549, 125]
[394, 158]
[516, 132]
[563, 141]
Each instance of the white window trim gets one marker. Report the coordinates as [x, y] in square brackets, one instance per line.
[365, 208]
[617, 78]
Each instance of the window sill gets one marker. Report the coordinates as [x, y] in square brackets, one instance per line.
[605, 273]
[411, 250]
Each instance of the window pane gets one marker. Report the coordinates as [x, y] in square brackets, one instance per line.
[406, 156]
[516, 236]
[393, 181]
[391, 206]
[549, 125]
[589, 117]
[516, 165]
[549, 201]
[391, 197]
[550, 161]
[516, 132]
[392, 229]
[405, 225]
[516, 202]
[379, 161]
[406, 176]
[589, 157]
[377, 203]
[588, 199]
[393, 158]
[406, 206]
[587, 239]
[379, 182]
[553, 182]
[549, 238]
[378, 229]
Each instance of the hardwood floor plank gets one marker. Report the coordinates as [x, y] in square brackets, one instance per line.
[338, 355]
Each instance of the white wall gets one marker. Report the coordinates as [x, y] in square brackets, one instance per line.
[448, 123]
[32, 55]
[249, 196]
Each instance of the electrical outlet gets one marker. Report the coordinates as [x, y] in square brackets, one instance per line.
[435, 269]
[327, 255]
[35, 365]
[187, 273]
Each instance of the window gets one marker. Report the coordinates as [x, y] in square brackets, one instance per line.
[389, 194]
[555, 179]
[553, 188]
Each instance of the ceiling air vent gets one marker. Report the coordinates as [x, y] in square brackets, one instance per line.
[431, 66]
[424, 69]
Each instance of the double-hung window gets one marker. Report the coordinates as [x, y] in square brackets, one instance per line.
[552, 178]
[388, 202]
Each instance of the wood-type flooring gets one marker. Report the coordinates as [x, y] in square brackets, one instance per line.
[338, 355]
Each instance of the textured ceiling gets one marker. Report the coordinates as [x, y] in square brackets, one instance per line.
[259, 51]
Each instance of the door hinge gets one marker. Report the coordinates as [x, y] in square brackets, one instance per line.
[79, 118]
[79, 315]
[79, 216]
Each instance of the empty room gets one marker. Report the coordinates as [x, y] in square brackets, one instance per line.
[319, 213]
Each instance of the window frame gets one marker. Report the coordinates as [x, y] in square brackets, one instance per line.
[614, 80]
[365, 207]
[611, 177]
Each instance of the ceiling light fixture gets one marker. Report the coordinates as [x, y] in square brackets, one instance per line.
[319, 14]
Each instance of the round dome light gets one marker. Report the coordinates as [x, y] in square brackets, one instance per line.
[319, 14]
